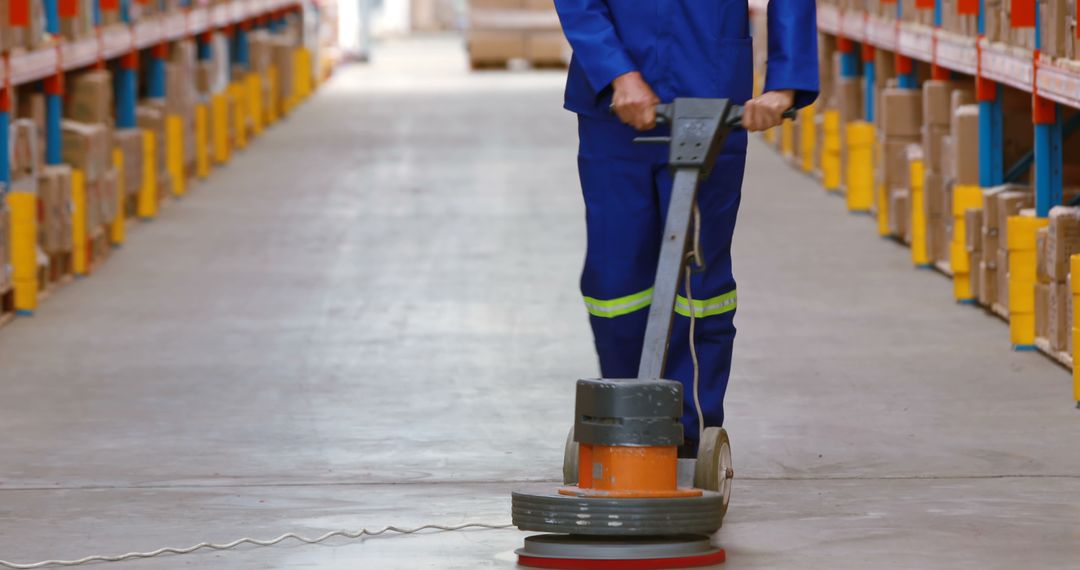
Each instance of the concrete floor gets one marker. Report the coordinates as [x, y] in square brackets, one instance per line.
[370, 317]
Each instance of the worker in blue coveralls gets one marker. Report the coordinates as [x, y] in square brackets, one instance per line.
[630, 55]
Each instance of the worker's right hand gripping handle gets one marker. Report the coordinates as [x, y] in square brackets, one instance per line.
[735, 115]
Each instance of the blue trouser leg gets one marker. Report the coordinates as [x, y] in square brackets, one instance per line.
[626, 189]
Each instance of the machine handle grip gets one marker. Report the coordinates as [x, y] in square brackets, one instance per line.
[735, 115]
[734, 118]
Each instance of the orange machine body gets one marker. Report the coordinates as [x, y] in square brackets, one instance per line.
[628, 471]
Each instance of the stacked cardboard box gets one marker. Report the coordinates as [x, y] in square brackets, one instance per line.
[433, 15]
[909, 9]
[180, 94]
[962, 182]
[54, 192]
[849, 101]
[90, 97]
[282, 54]
[1072, 48]
[953, 21]
[884, 78]
[999, 203]
[1061, 242]
[130, 144]
[80, 22]
[901, 121]
[15, 39]
[973, 224]
[1042, 287]
[26, 156]
[87, 146]
[504, 30]
[1055, 18]
[1013, 36]
[150, 115]
[940, 98]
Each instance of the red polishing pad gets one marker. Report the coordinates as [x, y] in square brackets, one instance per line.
[571, 552]
[649, 564]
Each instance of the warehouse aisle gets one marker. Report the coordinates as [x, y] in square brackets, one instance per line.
[370, 317]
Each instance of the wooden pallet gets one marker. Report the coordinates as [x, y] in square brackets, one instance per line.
[514, 64]
[1000, 311]
[1061, 357]
[944, 267]
[7, 305]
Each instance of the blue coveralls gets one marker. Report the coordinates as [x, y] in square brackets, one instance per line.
[683, 48]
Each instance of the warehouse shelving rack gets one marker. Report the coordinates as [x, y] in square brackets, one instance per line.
[1054, 86]
[122, 42]
[1050, 83]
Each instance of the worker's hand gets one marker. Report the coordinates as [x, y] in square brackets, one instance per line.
[765, 111]
[634, 101]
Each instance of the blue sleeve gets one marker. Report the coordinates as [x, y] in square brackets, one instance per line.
[793, 52]
[590, 31]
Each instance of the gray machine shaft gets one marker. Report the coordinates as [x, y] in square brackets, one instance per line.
[669, 273]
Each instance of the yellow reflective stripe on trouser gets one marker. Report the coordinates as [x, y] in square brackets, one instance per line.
[708, 307]
[618, 307]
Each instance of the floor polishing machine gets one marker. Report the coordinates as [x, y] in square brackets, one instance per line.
[628, 501]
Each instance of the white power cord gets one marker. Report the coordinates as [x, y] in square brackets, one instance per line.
[246, 540]
[695, 256]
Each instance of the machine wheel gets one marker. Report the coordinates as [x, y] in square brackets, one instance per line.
[713, 470]
[570, 460]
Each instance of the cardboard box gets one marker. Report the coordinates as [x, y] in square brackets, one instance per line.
[150, 115]
[988, 281]
[550, 48]
[108, 201]
[1062, 242]
[850, 95]
[937, 238]
[1056, 333]
[934, 192]
[901, 111]
[86, 147]
[1010, 203]
[495, 46]
[894, 170]
[965, 135]
[973, 222]
[91, 97]
[180, 91]
[974, 262]
[960, 97]
[1042, 310]
[32, 107]
[937, 103]
[1003, 280]
[898, 212]
[130, 144]
[23, 146]
[1041, 274]
[1055, 22]
[54, 191]
[948, 158]
[204, 77]
[282, 52]
[933, 140]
